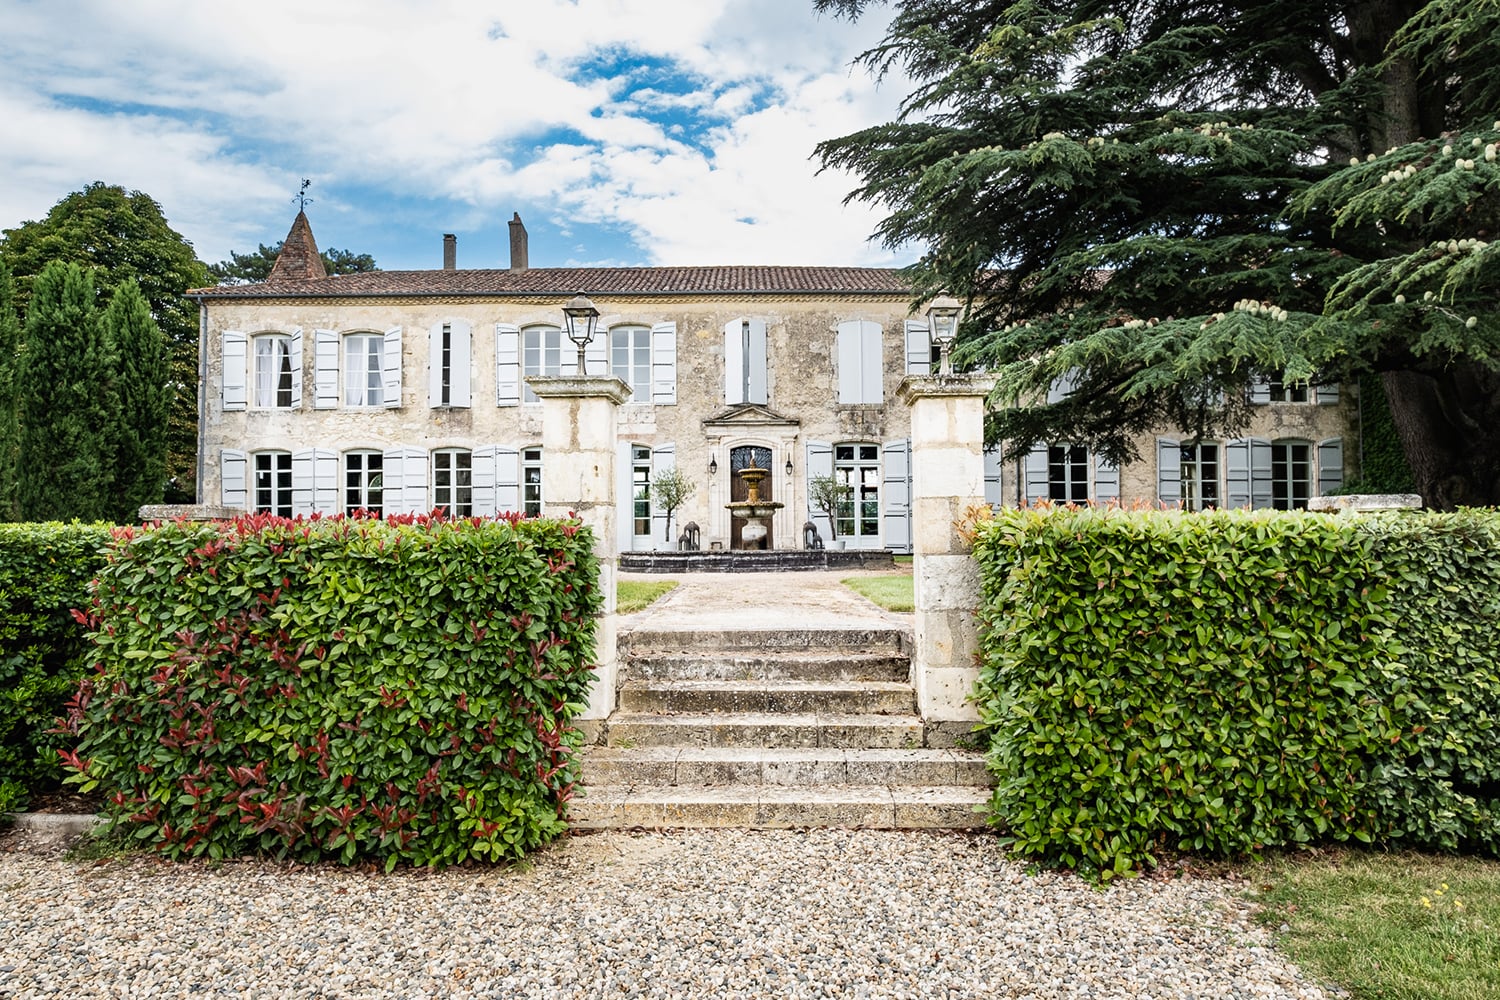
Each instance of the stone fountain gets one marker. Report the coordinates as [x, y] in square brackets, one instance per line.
[753, 510]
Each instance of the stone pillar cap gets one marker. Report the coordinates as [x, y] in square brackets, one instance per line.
[566, 386]
[1358, 503]
[915, 387]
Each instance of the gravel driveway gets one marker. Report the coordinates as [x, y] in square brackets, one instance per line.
[725, 913]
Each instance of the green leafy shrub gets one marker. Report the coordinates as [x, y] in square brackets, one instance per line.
[1214, 682]
[44, 574]
[395, 690]
[1440, 788]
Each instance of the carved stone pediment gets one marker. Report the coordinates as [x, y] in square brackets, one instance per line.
[746, 415]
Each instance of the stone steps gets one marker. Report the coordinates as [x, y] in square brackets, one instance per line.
[773, 728]
[768, 696]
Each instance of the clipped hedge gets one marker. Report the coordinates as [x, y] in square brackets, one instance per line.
[44, 574]
[394, 690]
[1440, 787]
[1197, 682]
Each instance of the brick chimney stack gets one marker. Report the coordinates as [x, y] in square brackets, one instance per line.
[518, 260]
[450, 252]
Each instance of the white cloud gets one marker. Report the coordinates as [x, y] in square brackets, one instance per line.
[216, 109]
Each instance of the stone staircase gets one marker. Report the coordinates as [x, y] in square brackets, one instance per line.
[768, 729]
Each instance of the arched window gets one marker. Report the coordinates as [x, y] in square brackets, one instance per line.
[275, 371]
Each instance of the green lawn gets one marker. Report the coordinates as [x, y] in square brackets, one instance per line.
[892, 592]
[633, 595]
[1392, 926]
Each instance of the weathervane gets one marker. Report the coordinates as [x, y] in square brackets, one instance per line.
[301, 197]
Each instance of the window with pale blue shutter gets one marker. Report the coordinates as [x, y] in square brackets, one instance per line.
[1330, 466]
[235, 347]
[1035, 472]
[508, 480]
[861, 374]
[745, 375]
[483, 478]
[449, 350]
[994, 493]
[315, 482]
[1327, 395]
[1106, 481]
[391, 369]
[1168, 471]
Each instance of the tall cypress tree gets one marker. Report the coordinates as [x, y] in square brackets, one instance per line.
[10, 428]
[145, 399]
[68, 410]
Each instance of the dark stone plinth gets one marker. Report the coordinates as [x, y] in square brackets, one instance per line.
[741, 561]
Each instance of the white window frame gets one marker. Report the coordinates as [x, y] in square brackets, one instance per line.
[531, 482]
[1289, 491]
[271, 488]
[1068, 473]
[367, 492]
[1196, 483]
[276, 364]
[856, 464]
[630, 359]
[364, 355]
[640, 493]
[538, 356]
[453, 481]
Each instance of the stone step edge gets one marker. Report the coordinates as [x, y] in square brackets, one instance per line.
[877, 639]
[928, 807]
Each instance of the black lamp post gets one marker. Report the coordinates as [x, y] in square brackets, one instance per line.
[942, 326]
[581, 318]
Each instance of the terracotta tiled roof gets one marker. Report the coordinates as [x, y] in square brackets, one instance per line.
[568, 280]
[299, 259]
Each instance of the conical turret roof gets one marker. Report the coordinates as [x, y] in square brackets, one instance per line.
[299, 258]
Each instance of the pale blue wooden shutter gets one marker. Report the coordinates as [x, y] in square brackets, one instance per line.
[734, 362]
[663, 457]
[896, 495]
[663, 364]
[596, 356]
[460, 354]
[390, 362]
[1330, 466]
[233, 472]
[296, 353]
[918, 348]
[507, 365]
[624, 496]
[1327, 395]
[1169, 471]
[1260, 392]
[325, 370]
[994, 493]
[1237, 473]
[1106, 481]
[1260, 473]
[404, 481]
[757, 362]
[315, 482]
[1036, 472]
[482, 479]
[507, 480]
[871, 363]
[236, 348]
[849, 363]
[819, 463]
[393, 482]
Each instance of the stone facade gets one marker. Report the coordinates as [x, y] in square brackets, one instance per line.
[801, 365]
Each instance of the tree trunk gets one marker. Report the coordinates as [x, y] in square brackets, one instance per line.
[1449, 424]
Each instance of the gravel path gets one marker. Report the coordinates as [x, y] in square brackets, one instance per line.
[678, 914]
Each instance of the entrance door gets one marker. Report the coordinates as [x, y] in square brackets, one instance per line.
[640, 499]
[743, 458]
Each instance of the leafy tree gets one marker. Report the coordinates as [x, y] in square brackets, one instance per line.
[68, 415]
[122, 236]
[145, 398]
[10, 428]
[671, 490]
[1160, 201]
[243, 268]
[827, 495]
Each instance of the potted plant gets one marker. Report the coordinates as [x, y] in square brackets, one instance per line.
[671, 490]
[826, 493]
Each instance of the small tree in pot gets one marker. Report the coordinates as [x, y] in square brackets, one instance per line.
[671, 490]
[826, 493]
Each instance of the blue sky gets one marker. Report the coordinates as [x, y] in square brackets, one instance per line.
[625, 132]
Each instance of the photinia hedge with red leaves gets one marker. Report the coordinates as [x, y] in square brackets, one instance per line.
[398, 690]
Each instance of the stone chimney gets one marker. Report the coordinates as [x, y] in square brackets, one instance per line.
[518, 260]
[450, 252]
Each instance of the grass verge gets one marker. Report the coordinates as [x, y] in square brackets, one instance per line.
[892, 592]
[1392, 926]
[633, 595]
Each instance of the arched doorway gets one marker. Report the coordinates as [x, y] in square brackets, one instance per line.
[744, 457]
